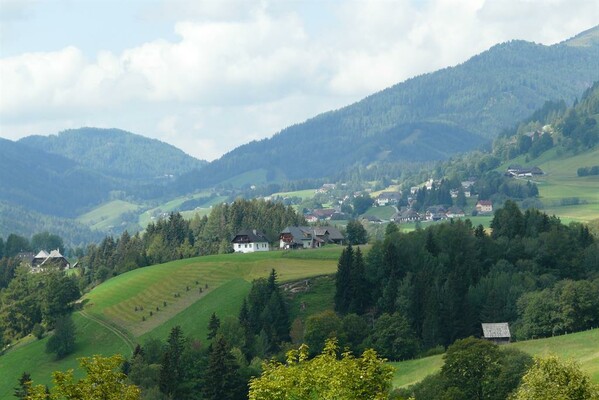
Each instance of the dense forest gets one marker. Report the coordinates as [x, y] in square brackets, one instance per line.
[439, 284]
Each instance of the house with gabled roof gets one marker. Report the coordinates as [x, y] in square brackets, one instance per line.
[307, 237]
[250, 241]
[484, 206]
[406, 215]
[43, 260]
[498, 333]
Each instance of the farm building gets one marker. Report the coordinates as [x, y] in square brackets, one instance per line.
[498, 333]
[250, 241]
[44, 260]
[307, 237]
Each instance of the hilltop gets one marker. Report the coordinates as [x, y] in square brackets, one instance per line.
[117, 153]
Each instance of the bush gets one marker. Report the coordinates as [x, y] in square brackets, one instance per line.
[62, 342]
[38, 331]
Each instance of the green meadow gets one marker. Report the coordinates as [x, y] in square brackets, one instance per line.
[582, 347]
[109, 324]
[107, 215]
[92, 338]
[561, 190]
[384, 213]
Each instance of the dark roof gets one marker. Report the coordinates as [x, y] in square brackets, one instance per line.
[308, 232]
[250, 236]
[331, 231]
[496, 330]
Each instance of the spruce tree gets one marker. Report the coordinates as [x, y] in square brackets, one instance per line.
[222, 380]
[171, 372]
[343, 280]
[213, 326]
[23, 388]
[359, 294]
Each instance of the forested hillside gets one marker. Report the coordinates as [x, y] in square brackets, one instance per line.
[117, 153]
[48, 183]
[425, 118]
[66, 174]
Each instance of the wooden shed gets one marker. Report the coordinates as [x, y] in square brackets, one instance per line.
[498, 333]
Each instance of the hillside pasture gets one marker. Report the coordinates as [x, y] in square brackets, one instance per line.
[384, 213]
[561, 190]
[92, 338]
[178, 283]
[107, 215]
[582, 347]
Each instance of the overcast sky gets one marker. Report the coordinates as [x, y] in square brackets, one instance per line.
[207, 76]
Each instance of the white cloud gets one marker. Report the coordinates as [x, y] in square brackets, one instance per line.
[240, 70]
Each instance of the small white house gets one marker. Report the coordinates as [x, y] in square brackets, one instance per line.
[250, 241]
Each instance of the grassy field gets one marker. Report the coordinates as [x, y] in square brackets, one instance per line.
[109, 323]
[384, 213]
[319, 297]
[107, 215]
[31, 356]
[561, 186]
[582, 347]
[303, 194]
[150, 287]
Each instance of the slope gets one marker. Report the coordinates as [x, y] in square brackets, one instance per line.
[582, 347]
[423, 118]
[48, 183]
[109, 323]
[117, 153]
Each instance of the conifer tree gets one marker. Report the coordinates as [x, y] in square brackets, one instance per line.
[359, 295]
[22, 389]
[171, 372]
[213, 326]
[222, 380]
[343, 280]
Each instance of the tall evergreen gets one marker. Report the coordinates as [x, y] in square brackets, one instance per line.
[359, 293]
[171, 371]
[222, 380]
[213, 326]
[22, 389]
[343, 280]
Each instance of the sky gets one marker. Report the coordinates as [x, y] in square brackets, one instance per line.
[208, 76]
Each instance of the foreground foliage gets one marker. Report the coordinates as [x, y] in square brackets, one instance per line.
[103, 381]
[324, 377]
[551, 378]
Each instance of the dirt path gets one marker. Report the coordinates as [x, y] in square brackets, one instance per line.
[120, 334]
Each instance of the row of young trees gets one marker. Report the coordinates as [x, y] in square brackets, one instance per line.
[442, 282]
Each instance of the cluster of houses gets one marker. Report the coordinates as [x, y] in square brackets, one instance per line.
[438, 213]
[292, 237]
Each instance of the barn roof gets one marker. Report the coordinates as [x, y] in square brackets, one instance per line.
[496, 330]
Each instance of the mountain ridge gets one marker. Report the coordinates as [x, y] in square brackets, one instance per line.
[489, 92]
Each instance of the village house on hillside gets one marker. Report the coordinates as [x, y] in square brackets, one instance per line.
[406, 215]
[43, 260]
[307, 237]
[387, 198]
[498, 333]
[250, 241]
[484, 206]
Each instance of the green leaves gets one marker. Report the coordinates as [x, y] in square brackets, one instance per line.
[325, 377]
